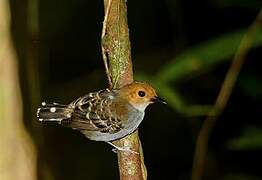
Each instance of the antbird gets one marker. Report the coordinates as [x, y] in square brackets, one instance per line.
[105, 115]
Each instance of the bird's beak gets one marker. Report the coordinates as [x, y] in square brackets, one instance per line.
[158, 99]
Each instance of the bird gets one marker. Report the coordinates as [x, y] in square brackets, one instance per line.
[105, 115]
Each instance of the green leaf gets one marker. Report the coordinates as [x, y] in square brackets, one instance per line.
[251, 139]
[204, 56]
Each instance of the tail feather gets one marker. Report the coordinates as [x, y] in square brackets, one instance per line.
[53, 112]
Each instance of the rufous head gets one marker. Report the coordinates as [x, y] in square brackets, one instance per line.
[140, 95]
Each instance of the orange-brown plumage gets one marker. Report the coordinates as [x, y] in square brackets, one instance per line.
[131, 93]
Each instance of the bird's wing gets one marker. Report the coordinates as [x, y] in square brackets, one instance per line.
[92, 112]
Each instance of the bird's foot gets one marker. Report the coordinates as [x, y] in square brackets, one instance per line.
[123, 149]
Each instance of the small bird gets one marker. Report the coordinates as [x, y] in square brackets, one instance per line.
[105, 115]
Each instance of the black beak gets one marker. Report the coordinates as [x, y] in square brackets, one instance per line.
[157, 99]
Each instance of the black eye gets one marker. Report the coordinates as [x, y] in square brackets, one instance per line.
[141, 93]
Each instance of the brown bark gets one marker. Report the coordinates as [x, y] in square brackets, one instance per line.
[116, 53]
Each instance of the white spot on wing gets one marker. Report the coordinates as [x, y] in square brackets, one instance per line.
[38, 111]
[43, 103]
[52, 109]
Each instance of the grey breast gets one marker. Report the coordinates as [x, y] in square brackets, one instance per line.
[135, 117]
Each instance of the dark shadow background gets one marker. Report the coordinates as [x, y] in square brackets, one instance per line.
[61, 60]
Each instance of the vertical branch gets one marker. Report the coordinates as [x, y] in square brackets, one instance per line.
[223, 97]
[107, 5]
[116, 53]
[17, 153]
[116, 44]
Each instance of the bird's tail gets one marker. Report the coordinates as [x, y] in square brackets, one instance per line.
[53, 112]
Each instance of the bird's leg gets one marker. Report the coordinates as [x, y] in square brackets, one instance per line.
[124, 149]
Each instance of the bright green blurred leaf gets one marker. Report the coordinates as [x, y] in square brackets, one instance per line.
[251, 139]
[204, 56]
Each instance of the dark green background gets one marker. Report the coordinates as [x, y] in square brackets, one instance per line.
[61, 60]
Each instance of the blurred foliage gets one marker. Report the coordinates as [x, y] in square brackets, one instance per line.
[193, 62]
[250, 139]
[204, 56]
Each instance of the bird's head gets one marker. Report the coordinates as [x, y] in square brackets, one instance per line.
[140, 95]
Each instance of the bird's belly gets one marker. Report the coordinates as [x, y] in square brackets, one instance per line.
[131, 125]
